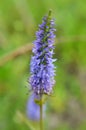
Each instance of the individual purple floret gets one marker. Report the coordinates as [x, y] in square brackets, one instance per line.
[33, 109]
[42, 67]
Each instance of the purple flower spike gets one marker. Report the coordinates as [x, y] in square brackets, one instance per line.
[42, 67]
[33, 109]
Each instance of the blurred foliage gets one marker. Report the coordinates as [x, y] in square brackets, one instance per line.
[66, 108]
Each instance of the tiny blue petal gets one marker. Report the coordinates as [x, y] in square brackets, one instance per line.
[33, 109]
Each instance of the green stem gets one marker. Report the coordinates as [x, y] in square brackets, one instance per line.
[41, 114]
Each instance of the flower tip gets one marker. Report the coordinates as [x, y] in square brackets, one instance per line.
[50, 11]
[49, 14]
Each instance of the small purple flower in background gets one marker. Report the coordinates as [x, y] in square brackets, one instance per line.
[33, 109]
[42, 67]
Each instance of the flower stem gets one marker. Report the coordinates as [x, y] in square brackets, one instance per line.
[41, 113]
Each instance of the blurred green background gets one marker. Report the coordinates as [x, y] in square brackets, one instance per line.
[19, 19]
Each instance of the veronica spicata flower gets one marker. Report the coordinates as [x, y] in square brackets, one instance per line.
[33, 109]
[42, 67]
